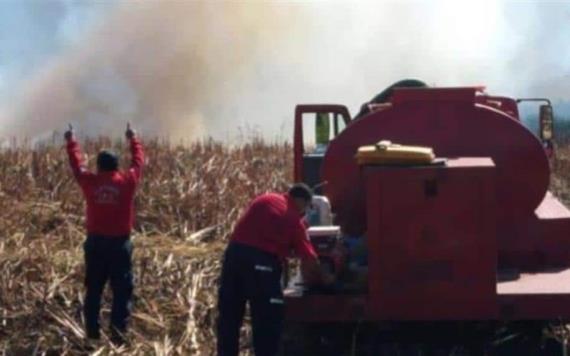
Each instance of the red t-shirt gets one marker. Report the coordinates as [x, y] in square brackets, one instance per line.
[273, 224]
[109, 195]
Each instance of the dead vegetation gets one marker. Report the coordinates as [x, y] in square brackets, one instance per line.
[186, 205]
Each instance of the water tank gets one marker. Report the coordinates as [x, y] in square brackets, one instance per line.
[454, 125]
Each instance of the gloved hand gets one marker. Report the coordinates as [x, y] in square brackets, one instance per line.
[130, 133]
[68, 135]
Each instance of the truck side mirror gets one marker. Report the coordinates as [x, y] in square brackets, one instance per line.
[546, 120]
[546, 124]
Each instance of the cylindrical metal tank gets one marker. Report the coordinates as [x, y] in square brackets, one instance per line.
[450, 121]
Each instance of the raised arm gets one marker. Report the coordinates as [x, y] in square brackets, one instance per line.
[137, 154]
[75, 157]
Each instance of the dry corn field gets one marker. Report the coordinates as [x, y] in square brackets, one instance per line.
[186, 205]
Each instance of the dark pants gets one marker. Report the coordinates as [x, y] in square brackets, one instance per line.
[250, 275]
[108, 258]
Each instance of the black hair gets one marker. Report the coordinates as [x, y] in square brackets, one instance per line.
[107, 161]
[301, 190]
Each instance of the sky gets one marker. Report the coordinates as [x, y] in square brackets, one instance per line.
[188, 69]
[32, 32]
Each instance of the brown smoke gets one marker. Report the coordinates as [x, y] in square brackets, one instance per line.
[185, 69]
[168, 67]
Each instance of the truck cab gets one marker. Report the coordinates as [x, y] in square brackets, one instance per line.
[315, 127]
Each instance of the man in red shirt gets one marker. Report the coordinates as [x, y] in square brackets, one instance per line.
[263, 238]
[109, 195]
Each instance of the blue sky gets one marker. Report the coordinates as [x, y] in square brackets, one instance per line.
[33, 31]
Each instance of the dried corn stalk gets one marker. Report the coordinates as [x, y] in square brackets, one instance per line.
[186, 206]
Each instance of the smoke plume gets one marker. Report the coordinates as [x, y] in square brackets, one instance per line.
[170, 68]
[194, 69]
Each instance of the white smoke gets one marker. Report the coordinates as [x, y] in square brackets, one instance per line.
[190, 69]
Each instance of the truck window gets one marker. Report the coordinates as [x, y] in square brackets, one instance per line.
[319, 129]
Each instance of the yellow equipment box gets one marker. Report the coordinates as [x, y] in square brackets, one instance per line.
[386, 152]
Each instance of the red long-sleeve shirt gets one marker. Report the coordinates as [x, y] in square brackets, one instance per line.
[273, 224]
[109, 195]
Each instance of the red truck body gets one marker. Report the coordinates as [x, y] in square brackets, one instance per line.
[476, 238]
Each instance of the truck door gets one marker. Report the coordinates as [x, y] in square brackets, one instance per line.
[315, 127]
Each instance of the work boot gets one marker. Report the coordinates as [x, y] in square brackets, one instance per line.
[93, 334]
[91, 344]
[118, 337]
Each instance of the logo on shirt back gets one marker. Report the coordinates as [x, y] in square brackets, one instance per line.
[107, 194]
[263, 268]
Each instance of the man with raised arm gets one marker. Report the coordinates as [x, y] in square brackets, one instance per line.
[109, 195]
